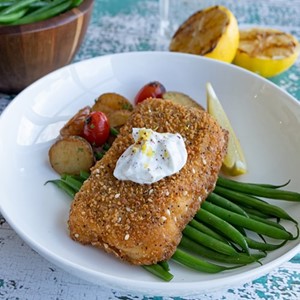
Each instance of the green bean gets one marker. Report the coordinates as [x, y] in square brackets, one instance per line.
[47, 7]
[9, 18]
[225, 203]
[49, 13]
[253, 202]
[99, 154]
[196, 263]
[64, 186]
[273, 186]
[73, 183]
[165, 265]
[266, 221]
[263, 246]
[84, 175]
[36, 10]
[223, 226]
[247, 223]
[76, 3]
[114, 131]
[260, 191]
[159, 271]
[200, 226]
[239, 258]
[39, 4]
[17, 6]
[208, 241]
[243, 232]
[78, 178]
[5, 4]
[229, 183]
[297, 234]
[253, 211]
[106, 146]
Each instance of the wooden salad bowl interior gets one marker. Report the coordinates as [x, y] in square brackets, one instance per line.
[30, 51]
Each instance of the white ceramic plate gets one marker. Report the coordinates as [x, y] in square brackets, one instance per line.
[265, 118]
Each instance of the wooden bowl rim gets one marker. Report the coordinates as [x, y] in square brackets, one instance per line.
[56, 21]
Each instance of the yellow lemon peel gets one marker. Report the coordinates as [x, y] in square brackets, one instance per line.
[212, 32]
[266, 51]
[234, 162]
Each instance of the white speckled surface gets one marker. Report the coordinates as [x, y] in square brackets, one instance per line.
[132, 25]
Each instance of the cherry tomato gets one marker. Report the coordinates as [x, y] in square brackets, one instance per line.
[153, 89]
[96, 128]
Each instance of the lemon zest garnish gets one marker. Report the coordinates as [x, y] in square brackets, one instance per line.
[166, 154]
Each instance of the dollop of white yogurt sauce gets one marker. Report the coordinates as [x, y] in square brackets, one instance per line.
[152, 157]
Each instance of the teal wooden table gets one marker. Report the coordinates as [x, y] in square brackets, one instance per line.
[134, 25]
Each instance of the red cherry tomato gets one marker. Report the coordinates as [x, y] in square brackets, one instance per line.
[153, 89]
[96, 128]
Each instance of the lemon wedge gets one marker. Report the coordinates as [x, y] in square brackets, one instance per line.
[266, 51]
[234, 162]
[212, 32]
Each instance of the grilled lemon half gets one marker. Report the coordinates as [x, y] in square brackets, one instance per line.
[266, 51]
[212, 32]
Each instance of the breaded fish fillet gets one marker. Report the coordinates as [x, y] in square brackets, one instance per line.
[141, 223]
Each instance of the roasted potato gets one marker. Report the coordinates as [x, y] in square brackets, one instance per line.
[181, 98]
[116, 107]
[70, 155]
[110, 102]
[118, 118]
[75, 125]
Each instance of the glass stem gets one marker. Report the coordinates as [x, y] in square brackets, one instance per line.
[164, 9]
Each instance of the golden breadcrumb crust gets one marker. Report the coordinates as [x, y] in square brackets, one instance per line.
[142, 224]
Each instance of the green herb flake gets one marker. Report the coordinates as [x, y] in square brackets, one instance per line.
[127, 106]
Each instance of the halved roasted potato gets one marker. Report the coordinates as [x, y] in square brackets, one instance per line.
[110, 102]
[116, 107]
[75, 125]
[118, 118]
[181, 98]
[70, 155]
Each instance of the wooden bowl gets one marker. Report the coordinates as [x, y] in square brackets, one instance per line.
[30, 51]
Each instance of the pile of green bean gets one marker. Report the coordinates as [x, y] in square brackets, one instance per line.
[17, 12]
[218, 238]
